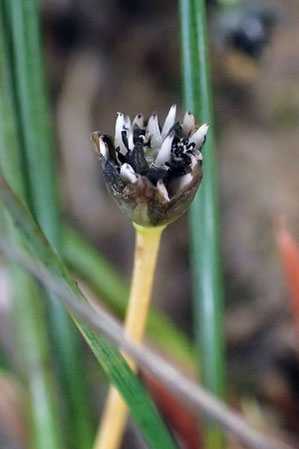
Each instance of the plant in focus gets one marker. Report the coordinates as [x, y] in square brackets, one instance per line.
[153, 174]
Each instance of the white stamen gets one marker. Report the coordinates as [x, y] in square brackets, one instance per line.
[154, 131]
[103, 148]
[127, 174]
[164, 153]
[169, 121]
[119, 127]
[138, 120]
[162, 189]
[199, 136]
[188, 123]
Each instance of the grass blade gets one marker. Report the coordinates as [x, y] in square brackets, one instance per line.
[38, 169]
[141, 407]
[204, 238]
[30, 331]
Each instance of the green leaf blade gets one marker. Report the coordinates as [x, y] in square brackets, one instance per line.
[204, 214]
[31, 337]
[38, 174]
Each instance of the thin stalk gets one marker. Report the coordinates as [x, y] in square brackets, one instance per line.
[145, 259]
[29, 317]
[38, 167]
[205, 233]
[89, 264]
[204, 219]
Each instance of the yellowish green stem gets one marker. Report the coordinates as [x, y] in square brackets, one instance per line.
[146, 250]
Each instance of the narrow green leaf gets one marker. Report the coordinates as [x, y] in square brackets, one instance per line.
[140, 405]
[204, 219]
[29, 318]
[40, 181]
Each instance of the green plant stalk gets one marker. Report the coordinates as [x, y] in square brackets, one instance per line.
[29, 318]
[111, 287]
[204, 235]
[205, 230]
[138, 401]
[38, 164]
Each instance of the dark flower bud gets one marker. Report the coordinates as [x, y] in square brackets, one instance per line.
[152, 173]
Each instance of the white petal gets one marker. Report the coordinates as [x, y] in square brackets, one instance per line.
[119, 127]
[103, 148]
[129, 128]
[164, 153]
[138, 120]
[130, 139]
[169, 121]
[119, 124]
[199, 136]
[128, 122]
[127, 174]
[162, 189]
[188, 123]
[154, 131]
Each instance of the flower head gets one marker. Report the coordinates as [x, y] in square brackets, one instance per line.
[153, 173]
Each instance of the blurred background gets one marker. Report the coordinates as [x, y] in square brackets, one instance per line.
[123, 55]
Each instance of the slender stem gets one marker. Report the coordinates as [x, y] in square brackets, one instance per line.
[208, 288]
[204, 219]
[89, 264]
[146, 251]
